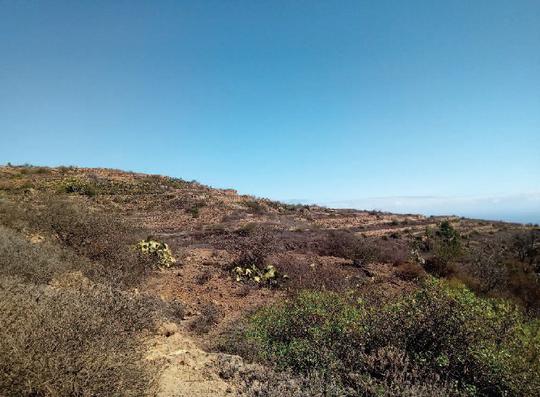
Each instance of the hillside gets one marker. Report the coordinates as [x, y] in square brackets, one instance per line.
[74, 231]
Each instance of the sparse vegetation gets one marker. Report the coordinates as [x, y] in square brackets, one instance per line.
[366, 309]
[209, 316]
[362, 250]
[255, 207]
[195, 208]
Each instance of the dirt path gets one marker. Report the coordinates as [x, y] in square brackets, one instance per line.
[187, 371]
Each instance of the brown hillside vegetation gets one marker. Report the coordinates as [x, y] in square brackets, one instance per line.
[237, 295]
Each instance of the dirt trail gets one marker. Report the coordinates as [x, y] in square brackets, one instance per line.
[187, 371]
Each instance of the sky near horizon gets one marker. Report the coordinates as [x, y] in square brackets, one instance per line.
[417, 106]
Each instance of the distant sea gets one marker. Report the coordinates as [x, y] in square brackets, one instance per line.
[518, 217]
[524, 208]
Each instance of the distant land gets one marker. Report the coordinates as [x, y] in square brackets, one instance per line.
[523, 208]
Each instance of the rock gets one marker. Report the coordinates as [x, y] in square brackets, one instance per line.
[167, 329]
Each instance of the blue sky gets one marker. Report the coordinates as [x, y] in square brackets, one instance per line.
[423, 106]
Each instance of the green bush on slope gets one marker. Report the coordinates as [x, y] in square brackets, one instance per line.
[441, 334]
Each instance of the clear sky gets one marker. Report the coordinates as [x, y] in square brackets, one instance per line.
[429, 106]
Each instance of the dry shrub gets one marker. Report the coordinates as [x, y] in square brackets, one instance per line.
[524, 287]
[30, 169]
[361, 250]
[501, 265]
[255, 207]
[13, 215]
[203, 277]
[344, 244]
[393, 373]
[35, 262]
[313, 275]
[393, 251]
[254, 380]
[209, 316]
[103, 238]
[254, 243]
[439, 267]
[410, 271]
[485, 267]
[526, 246]
[73, 339]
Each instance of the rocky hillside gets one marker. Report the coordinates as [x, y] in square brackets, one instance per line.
[233, 255]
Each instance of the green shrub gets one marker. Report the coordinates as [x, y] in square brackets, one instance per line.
[442, 335]
[307, 333]
[480, 343]
[448, 243]
[194, 209]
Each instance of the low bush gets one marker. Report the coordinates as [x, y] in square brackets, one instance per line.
[410, 271]
[441, 337]
[346, 245]
[254, 243]
[209, 316]
[481, 344]
[306, 333]
[254, 380]
[304, 274]
[103, 238]
[35, 262]
[255, 207]
[364, 250]
[203, 277]
[74, 339]
[194, 208]
[29, 170]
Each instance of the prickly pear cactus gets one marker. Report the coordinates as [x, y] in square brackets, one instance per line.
[158, 249]
[268, 276]
[77, 185]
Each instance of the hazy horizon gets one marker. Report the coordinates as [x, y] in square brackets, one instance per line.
[494, 209]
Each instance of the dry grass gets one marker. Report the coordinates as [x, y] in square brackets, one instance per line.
[78, 339]
[68, 325]
[36, 262]
[209, 316]
[105, 239]
[361, 250]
